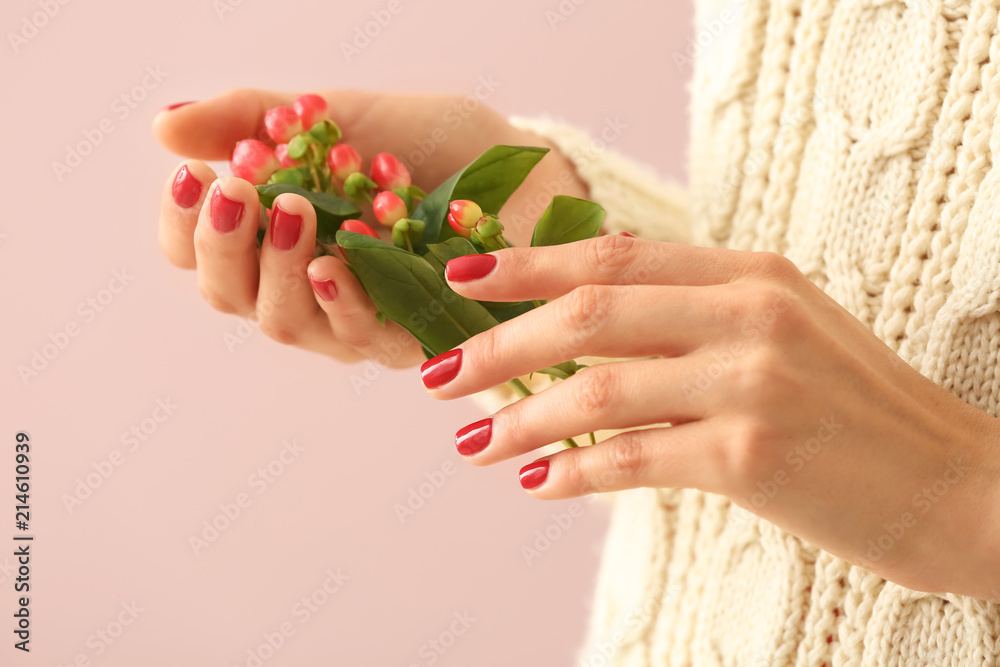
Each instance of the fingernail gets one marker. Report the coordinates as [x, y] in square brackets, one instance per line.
[171, 107]
[442, 369]
[629, 235]
[533, 474]
[225, 213]
[473, 438]
[469, 267]
[285, 228]
[186, 188]
[326, 289]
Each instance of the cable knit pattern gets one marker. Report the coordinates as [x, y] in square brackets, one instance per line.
[859, 139]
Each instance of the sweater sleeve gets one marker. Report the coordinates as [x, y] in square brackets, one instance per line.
[635, 199]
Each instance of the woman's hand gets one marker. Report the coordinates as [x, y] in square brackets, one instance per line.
[316, 304]
[779, 399]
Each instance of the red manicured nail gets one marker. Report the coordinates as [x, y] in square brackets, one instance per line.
[533, 474]
[225, 213]
[470, 267]
[473, 438]
[326, 289]
[442, 369]
[186, 188]
[177, 106]
[285, 228]
[631, 236]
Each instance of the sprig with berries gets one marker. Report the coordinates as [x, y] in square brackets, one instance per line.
[405, 277]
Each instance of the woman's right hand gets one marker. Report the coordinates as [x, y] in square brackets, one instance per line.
[210, 224]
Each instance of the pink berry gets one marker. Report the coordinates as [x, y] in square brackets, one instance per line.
[253, 161]
[343, 161]
[359, 227]
[463, 216]
[388, 208]
[281, 152]
[311, 109]
[282, 124]
[389, 173]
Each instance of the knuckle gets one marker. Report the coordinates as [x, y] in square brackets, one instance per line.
[585, 310]
[769, 265]
[767, 310]
[359, 339]
[489, 348]
[216, 300]
[611, 254]
[277, 331]
[624, 460]
[748, 455]
[596, 390]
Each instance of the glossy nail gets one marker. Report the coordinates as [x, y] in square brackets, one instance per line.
[442, 369]
[475, 437]
[186, 188]
[469, 267]
[225, 213]
[628, 234]
[178, 105]
[285, 228]
[326, 289]
[533, 474]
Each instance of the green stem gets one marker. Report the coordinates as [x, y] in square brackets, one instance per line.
[522, 391]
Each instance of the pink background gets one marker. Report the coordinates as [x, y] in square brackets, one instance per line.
[332, 507]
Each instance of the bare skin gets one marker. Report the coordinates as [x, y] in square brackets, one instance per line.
[273, 285]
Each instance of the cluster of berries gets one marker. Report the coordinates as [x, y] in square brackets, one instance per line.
[308, 154]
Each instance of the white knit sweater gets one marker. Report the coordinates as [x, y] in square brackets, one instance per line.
[858, 138]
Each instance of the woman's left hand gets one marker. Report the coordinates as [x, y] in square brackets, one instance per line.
[778, 398]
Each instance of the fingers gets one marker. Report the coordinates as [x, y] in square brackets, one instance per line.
[286, 308]
[632, 321]
[225, 246]
[181, 203]
[209, 129]
[351, 314]
[658, 457]
[607, 396]
[519, 274]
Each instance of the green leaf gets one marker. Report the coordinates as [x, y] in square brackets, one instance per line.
[507, 310]
[439, 254]
[331, 210]
[408, 291]
[567, 219]
[489, 181]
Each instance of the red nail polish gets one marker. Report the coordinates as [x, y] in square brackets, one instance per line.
[533, 474]
[442, 369]
[326, 289]
[176, 106]
[473, 438]
[470, 267]
[285, 228]
[627, 234]
[225, 213]
[186, 188]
